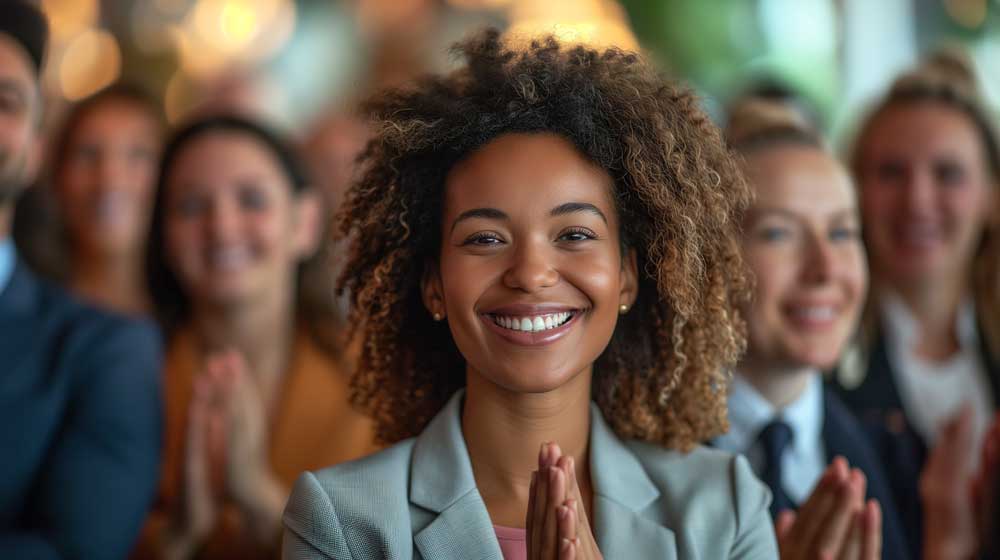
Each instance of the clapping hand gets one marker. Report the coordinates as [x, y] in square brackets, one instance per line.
[835, 521]
[557, 524]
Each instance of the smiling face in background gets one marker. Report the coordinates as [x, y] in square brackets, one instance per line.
[925, 193]
[801, 241]
[531, 273]
[19, 100]
[107, 176]
[234, 230]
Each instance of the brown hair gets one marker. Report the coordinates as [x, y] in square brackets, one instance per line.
[679, 192]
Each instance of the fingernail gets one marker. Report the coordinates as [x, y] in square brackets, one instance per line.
[563, 512]
[566, 544]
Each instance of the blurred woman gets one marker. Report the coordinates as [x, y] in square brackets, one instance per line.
[103, 168]
[252, 400]
[802, 244]
[927, 371]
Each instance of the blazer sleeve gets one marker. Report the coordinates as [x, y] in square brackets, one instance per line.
[312, 528]
[754, 530]
[99, 478]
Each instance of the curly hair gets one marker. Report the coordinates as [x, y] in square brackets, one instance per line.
[677, 188]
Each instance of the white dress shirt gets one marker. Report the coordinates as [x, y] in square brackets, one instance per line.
[7, 258]
[933, 392]
[804, 461]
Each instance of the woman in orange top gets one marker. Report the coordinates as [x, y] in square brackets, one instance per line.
[252, 400]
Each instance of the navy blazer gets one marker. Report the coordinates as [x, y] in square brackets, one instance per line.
[80, 424]
[843, 435]
[902, 451]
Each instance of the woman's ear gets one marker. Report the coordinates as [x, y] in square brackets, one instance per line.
[309, 216]
[432, 291]
[629, 281]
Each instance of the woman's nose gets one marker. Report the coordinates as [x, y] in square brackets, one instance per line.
[531, 269]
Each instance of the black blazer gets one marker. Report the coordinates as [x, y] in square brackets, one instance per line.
[80, 424]
[844, 435]
[877, 405]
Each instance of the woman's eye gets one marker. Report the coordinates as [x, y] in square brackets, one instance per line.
[483, 239]
[844, 234]
[949, 174]
[252, 199]
[578, 234]
[770, 234]
[190, 206]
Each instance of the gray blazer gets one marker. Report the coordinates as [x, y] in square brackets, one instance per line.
[418, 500]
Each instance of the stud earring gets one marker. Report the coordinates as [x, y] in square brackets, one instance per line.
[437, 316]
[622, 309]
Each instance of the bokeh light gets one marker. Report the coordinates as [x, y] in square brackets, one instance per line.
[90, 62]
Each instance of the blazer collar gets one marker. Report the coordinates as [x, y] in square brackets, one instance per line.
[17, 298]
[622, 491]
[442, 482]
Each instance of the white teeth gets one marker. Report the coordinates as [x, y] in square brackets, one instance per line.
[230, 257]
[534, 323]
[816, 313]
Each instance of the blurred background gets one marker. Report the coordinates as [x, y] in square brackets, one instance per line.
[294, 60]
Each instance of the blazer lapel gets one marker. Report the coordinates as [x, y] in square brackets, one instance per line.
[622, 491]
[18, 313]
[442, 483]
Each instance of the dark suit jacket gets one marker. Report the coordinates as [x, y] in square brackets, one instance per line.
[843, 435]
[877, 405]
[80, 424]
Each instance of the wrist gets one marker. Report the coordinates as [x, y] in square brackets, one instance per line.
[263, 503]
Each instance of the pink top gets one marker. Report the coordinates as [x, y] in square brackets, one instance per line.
[513, 542]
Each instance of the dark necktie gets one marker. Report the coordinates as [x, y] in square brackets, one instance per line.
[774, 438]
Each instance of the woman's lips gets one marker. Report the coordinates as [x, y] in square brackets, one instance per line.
[533, 337]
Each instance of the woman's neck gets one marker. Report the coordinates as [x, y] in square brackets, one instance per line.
[934, 307]
[781, 385]
[261, 332]
[116, 282]
[504, 431]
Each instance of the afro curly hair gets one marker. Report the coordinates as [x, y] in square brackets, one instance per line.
[678, 190]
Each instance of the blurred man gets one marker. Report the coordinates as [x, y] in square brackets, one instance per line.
[79, 389]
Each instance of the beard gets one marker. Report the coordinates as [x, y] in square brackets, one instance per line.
[13, 176]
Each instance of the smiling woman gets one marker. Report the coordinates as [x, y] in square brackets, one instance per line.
[545, 269]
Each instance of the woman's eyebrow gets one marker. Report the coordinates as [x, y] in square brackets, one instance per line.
[573, 207]
[487, 213]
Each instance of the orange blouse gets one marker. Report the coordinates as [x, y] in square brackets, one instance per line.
[313, 427]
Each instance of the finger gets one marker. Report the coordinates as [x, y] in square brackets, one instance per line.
[813, 514]
[567, 525]
[557, 495]
[872, 546]
[540, 502]
[567, 550]
[529, 514]
[830, 538]
[851, 549]
[783, 524]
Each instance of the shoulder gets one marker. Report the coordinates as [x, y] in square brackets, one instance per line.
[710, 492]
[358, 505]
[703, 482]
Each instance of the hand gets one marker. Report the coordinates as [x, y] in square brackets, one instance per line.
[945, 491]
[985, 491]
[197, 510]
[835, 522]
[249, 479]
[556, 524]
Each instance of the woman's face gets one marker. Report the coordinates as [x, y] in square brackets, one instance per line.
[925, 193]
[234, 231]
[801, 242]
[106, 181]
[531, 274]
